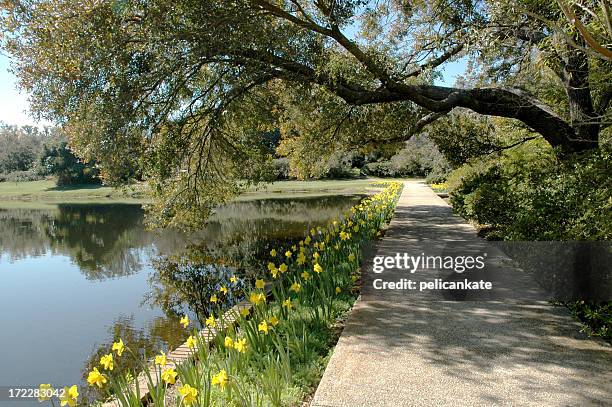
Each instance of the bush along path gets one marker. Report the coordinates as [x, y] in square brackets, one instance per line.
[274, 352]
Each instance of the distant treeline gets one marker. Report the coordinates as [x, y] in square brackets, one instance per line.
[29, 153]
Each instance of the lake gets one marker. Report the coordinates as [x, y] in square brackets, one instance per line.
[73, 277]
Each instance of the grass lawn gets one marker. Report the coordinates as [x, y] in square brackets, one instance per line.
[47, 191]
[288, 189]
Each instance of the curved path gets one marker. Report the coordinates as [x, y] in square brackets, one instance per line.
[408, 350]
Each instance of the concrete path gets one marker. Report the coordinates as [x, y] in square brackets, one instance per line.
[407, 350]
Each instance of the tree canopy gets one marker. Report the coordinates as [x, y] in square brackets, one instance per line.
[185, 89]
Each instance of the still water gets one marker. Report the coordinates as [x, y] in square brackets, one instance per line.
[73, 277]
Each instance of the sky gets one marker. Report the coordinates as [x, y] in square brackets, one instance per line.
[13, 103]
[14, 108]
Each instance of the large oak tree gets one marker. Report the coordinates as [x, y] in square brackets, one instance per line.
[185, 88]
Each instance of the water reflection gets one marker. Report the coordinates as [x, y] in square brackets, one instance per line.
[79, 276]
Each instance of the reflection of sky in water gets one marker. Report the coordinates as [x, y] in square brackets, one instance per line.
[71, 274]
[50, 317]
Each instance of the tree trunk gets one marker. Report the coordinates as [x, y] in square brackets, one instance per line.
[582, 113]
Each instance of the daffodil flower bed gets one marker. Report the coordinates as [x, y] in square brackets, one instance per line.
[441, 187]
[277, 350]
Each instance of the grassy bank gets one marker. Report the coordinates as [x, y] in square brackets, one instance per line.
[48, 191]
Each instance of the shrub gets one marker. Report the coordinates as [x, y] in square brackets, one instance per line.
[529, 194]
[59, 160]
[21, 176]
[280, 169]
[419, 158]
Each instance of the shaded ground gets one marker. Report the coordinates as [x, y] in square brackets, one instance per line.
[419, 350]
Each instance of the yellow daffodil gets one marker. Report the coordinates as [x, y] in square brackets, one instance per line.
[288, 254]
[118, 347]
[185, 321]
[273, 253]
[345, 235]
[233, 279]
[188, 394]
[69, 396]
[210, 321]
[213, 298]
[191, 342]
[305, 275]
[240, 345]
[257, 298]
[220, 379]
[169, 375]
[312, 231]
[287, 303]
[274, 272]
[273, 320]
[244, 312]
[260, 284]
[301, 259]
[107, 361]
[307, 240]
[294, 247]
[95, 378]
[224, 290]
[317, 268]
[228, 342]
[295, 287]
[316, 256]
[282, 268]
[351, 257]
[271, 266]
[161, 359]
[45, 391]
[263, 327]
[338, 290]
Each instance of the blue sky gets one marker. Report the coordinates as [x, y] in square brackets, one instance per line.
[14, 103]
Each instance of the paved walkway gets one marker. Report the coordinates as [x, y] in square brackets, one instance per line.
[406, 350]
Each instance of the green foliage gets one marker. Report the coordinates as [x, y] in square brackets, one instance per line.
[596, 317]
[529, 194]
[419, 158]
[60, 161]
[20, 148]
[21, 176]
[281, 169]
[462, 136]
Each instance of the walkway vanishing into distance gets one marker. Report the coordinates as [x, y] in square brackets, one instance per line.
[401, 349]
